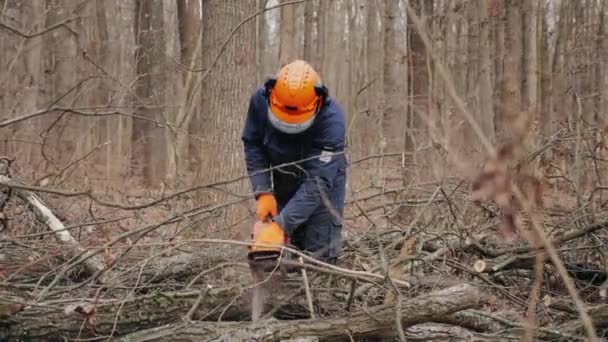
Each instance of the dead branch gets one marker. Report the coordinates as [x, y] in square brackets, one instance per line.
[93, 264]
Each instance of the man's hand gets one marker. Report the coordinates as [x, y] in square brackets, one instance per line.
[266, 206]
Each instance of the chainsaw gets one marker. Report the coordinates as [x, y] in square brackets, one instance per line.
[265, 249]
[263, 257]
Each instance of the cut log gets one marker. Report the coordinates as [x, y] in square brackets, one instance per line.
[375, 321]
[504, 263]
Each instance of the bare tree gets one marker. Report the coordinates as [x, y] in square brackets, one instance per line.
[485, 85]
[394, 117]
[230, 82]
[512, 93]
[148, 140]
[289, 47]
[309, 30]
[603, 46]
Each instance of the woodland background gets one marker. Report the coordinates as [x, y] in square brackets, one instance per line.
[153, 94]
[126, 116]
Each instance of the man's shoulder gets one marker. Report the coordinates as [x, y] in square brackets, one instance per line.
[258, 104]
[333, 115]
[331, 127]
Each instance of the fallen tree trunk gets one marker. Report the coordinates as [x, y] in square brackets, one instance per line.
[375, 321]
[599, 316]
[118, 317]
[421, 332]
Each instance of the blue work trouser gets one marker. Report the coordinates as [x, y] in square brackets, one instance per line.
[321, 235]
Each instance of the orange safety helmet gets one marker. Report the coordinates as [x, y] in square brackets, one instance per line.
[294, 97]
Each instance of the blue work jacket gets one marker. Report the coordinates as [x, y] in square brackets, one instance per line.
[316, 161]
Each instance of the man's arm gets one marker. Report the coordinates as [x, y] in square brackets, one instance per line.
[320, 170]
[256, 159]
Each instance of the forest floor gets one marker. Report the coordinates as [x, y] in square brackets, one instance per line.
[430, 264]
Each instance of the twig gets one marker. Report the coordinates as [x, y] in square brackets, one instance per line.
[39, 33]
[311, 308]
[78, 112]
[89, 194]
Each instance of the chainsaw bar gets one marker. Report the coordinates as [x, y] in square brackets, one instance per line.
[264, 271]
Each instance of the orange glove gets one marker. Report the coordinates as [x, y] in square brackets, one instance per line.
[266, 206]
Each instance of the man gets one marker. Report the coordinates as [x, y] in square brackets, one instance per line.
[292, 120]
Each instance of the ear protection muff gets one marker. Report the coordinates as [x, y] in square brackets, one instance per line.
[268, 85]
[323, 93]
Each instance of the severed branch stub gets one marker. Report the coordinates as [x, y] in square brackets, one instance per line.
[504, 263]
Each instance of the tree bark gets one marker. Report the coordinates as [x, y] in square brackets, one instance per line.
[512, 96]
[148, 140]
[603, 43]
[373, 78]
[309, 27]
[189, 27]
[532, 15]
[119, 317]
[288, 47]
[485, 84]
[225, 92]
[394, 116]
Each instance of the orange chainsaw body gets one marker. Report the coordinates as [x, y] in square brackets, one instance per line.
[265, 248]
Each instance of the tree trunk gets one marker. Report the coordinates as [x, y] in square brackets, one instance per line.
[418, 84]
[561, 93]
[288, 47]
[119, 317]
[373, 62]
[603, 43]
[545, 95]
[532, 15]
[190, 42]
[512, 96]
[485, 85]
[394, 117]
[226, 90]
[473, 78]
[496, 9]
[148, 139]
[189, 27]
[309, 27]
[531, 82]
